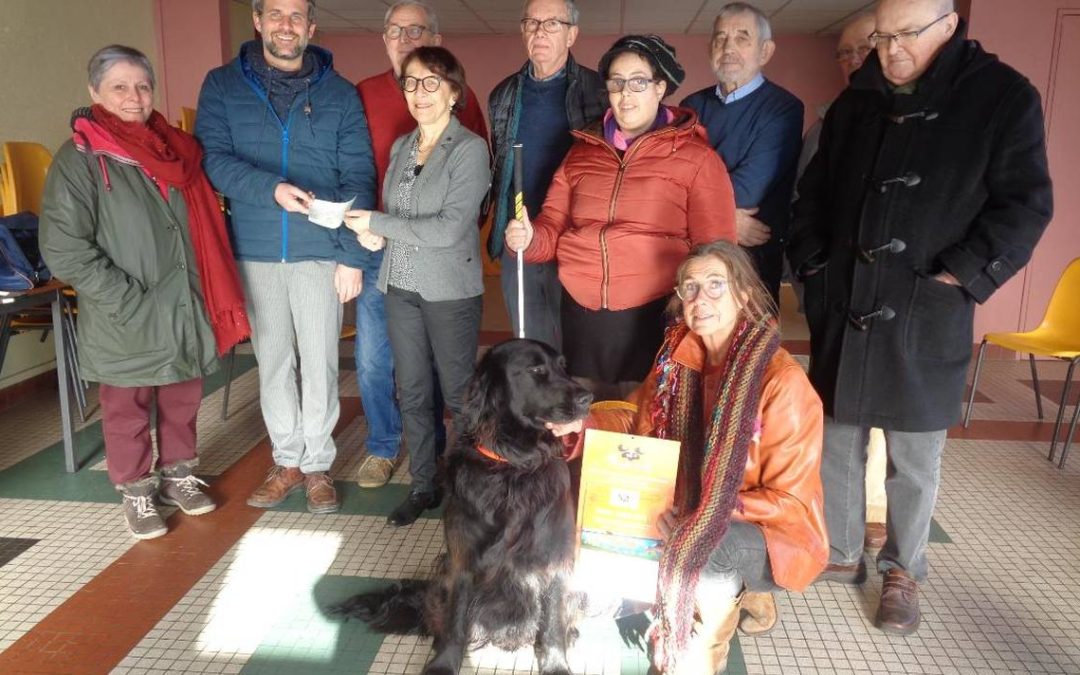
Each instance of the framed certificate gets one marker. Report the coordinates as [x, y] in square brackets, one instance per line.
[627, 482]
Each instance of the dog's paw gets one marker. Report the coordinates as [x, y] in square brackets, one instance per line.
[439, 670]
[556, 671]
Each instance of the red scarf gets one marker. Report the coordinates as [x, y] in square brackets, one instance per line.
[174, 159]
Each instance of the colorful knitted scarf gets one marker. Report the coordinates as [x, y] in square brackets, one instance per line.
[708, 496]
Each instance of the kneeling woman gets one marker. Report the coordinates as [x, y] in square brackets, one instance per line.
[748, 514]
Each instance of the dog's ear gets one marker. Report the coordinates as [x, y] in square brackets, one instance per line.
[485, 399]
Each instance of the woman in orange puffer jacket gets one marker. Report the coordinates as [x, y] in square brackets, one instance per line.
[629, 201]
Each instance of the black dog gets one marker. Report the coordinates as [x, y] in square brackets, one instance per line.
[509, 521]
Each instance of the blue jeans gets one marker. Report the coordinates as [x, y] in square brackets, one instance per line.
[375, 366]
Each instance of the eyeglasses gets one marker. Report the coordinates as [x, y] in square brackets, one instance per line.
[852, 53]
[638, 84]
[549, 25]
[413, 32]
[714, 289]
[296, 18]
[906, 37]
[431, 83]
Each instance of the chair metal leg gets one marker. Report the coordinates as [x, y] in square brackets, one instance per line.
[74, 334]
[67, 325]
[974, 383]
[229, 364]
[5, 337]
[73, 374]
[1061, 407]
[1035, 383]
[1068, 437]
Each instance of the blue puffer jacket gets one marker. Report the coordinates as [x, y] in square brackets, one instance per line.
[322, 146]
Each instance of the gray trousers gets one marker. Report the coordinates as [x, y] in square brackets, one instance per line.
[912, 474]
[543, 299]
[739, 560]
[422, 332]
[294, 312]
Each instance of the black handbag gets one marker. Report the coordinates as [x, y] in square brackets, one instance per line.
[21, 266]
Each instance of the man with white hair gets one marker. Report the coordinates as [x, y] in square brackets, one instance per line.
[408, 24]
[756, 126]
[929, 192]
[538, 106]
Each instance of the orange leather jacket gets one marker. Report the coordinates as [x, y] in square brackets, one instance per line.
[781, 491]
[619, 225]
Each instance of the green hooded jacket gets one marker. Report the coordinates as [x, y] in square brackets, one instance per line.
[106, 230]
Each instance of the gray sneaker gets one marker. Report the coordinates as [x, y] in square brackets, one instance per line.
[140, 512]
[180, 487]
[375, 472]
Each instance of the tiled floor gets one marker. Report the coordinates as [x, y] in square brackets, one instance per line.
[245, 591]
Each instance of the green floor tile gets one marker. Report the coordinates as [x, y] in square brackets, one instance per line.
[42, 475]
[937, 534]
[629, 634]
[358, 501]
[307, 640]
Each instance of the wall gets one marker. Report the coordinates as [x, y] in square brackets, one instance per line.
[193, 37]
[803, 64]
[1049, 55]
[44, 47]
[241, 28]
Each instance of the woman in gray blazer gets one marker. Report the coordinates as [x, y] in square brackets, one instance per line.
[431, 274]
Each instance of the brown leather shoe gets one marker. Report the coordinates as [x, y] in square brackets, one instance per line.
[875, 537]
[759, 615]
[854, 573]
[321, 495]
[898, 612]
[281, 481]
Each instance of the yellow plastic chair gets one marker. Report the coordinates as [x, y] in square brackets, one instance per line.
[1058, 336]
[27, 164]
[187, 120]
[7, 190]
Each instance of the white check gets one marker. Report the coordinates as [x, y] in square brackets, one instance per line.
[328, 214]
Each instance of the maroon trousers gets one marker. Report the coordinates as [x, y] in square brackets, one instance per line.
[125, 422]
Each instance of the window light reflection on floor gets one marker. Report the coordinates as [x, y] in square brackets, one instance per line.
[273, 571]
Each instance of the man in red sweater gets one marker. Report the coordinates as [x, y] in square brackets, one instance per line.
[409, 24]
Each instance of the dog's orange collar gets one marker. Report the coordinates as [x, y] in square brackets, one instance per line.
[490, 454]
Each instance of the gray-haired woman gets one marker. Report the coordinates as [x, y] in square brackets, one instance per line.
[130, 221]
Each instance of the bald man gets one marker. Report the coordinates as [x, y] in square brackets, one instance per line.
[928, 192]
[851, 50]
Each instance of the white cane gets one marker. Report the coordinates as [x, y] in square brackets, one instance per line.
[519, 213]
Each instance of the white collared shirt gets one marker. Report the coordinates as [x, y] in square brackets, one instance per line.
[743, 91]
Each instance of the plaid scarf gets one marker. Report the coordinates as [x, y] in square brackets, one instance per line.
[709, 495]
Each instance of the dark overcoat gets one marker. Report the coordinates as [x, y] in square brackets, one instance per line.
[957, 172]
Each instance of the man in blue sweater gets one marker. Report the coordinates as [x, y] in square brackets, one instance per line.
[281, 127]
[538, 106]
[756, 126]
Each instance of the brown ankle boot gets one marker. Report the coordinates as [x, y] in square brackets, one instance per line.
[898, 612]
[759, 615]
[707, 652]
[281, 481]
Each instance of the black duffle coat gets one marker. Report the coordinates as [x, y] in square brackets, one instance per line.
[956, 173]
